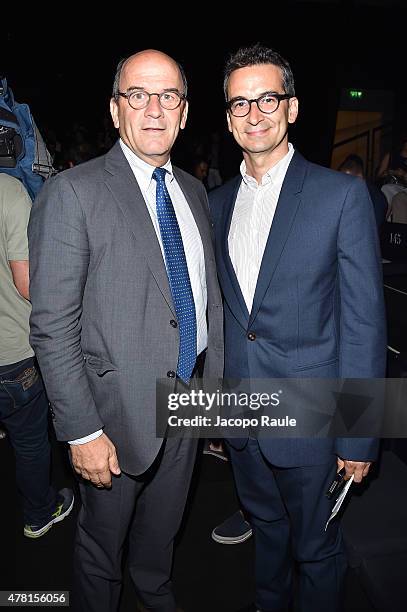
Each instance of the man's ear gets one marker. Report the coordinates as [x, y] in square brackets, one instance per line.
[292, 110]
[228, 121]
[184, 115]
[114, 111]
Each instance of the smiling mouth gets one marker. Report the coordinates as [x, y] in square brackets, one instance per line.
[257, 132]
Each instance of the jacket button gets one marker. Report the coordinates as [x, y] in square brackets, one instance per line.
[251, 336]
[173, 323]
[171, 374]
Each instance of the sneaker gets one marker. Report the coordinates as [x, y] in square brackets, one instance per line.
[233, 530]
[64, 505]
[3, 434]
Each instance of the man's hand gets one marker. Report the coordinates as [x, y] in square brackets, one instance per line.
[96, 461]
[358, 468]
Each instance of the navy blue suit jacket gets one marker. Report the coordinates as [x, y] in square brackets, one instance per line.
[318, 308]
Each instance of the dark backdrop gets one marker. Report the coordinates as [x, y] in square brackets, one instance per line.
[64, 69]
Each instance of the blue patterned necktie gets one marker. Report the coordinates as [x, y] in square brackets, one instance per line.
[178, 277]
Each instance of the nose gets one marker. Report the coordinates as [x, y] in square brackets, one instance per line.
[255, 115]
[153, 108]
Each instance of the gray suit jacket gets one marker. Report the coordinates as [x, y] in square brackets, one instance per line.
[102, 306]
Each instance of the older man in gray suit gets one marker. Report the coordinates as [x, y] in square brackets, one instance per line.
[124, 291]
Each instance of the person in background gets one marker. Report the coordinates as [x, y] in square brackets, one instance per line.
[23, 402]
[353, 165]
[393, 166]
[200, 169]
[398, 208]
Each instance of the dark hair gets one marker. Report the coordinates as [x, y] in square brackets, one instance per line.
[254, 55]
[116, 82]
[352, 163]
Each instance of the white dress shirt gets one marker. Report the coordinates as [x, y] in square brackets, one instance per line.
[251, 223]
[191, 239]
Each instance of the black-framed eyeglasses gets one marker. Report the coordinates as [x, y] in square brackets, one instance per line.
[266, 103]
[139, 98]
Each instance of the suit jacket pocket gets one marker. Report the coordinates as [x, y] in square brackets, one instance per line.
[99, 365]
[320, 364]
[103, 381]
[322, 369]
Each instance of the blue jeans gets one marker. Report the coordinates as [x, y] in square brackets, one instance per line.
[24, 412]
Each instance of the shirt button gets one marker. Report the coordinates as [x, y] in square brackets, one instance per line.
[173, 323]
[251, 336]
[171, 374]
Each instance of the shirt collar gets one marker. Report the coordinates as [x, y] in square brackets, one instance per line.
[141, 169]
[275, 174]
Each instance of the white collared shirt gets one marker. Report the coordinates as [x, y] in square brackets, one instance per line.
[191, 238]
[250, 226]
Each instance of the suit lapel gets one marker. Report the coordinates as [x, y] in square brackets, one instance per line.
[230, 285]
[195, 204]
[201, 218]
[287, 206]
[124, 188]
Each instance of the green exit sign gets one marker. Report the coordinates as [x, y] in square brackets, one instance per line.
[355, 93]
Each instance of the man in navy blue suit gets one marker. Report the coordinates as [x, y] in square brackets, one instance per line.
[299, 266]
